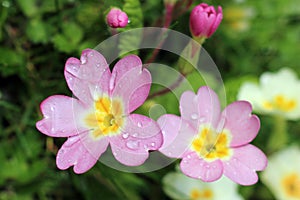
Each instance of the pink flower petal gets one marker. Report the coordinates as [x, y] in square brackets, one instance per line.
[87, 75]
[193, 166]
[129, 158]
[123, 66]
[81, 152]
[242, 167]
[208, 106]
[59, 116]
[177, 134]
[133, 86]
[189, 108]
[242, 125]
[201, 108]
[140, 135]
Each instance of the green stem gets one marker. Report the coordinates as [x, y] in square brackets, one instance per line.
[279, 137]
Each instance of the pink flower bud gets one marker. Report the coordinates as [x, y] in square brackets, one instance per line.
[204, 20]
[116, 18]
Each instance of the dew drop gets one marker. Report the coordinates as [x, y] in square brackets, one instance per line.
[125, 135]
[194, 116]
[91, 54]
[163, 132]
[189, 157]
[98, 64]
[133, 144]
[201, 119]
[139, 124]
[153, 144]
[83, 60]
[134, 135]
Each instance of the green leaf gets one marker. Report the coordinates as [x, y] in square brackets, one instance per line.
[37, 31]
[73, 32]
[135, 16]
[62, 43]
[11, 62]
[28, 7]
[69, 40]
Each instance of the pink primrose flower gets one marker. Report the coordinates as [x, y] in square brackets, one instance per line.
[99, 115]
[212, 143]
[204, 20]
[116, 18]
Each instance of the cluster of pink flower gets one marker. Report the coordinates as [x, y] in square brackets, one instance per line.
[209, 142]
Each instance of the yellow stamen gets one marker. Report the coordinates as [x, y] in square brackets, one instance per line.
[106, 118]
[201, 194]
[280, 103]
[291, 185]
[211, 145]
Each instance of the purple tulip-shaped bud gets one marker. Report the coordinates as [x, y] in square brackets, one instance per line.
[116, 18]
[204, 20]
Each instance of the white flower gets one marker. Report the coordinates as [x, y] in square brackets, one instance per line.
[278, 93]
[282, 175]
[179, 186]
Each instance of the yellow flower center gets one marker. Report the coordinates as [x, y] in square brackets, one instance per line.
[205, 194]
[211, 145]
[280, 103]
[291, 185]
[106, 118]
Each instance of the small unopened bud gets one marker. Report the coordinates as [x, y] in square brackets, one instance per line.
[116, 18]
[204, 21]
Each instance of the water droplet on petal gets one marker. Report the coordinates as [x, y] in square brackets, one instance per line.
[134, 135]
[98, 64]
[91, 54]
[52, 108]
[139, 124]
[133, 144]
[62, 151]
[153, 144]
[194, 116]
[163, 132]
[83, 59]
[201, 119]
[125, 135]
[188, 156]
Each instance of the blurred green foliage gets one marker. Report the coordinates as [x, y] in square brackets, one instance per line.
[37, 37]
